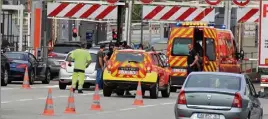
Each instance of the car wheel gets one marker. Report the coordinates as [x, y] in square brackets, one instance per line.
[166, 93]
[32, 77]
[154, 91]
[48, 77]
[120, 92]
[4, 77]
[62, 86]
[107, 92]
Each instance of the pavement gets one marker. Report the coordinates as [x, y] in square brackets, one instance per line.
[18, 103]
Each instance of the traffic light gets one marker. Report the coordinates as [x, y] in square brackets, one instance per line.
[74, 32]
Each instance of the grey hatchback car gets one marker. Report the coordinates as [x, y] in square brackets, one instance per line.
[218, 95]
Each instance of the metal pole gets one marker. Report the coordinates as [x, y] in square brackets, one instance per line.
[130, 21]
[126, 22]
[21, 27]
[161, 31]
[226, 13]
[239, 36]
[150, 32]
[141, 26]
[0, 44]
[229, 14]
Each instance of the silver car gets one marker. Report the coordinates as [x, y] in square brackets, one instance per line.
[65, 74]
[214, 95]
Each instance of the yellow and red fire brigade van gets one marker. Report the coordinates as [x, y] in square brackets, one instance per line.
[204, 38]
[227, 51]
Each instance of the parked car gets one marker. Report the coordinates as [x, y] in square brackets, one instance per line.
[58, 55]
[4, 70]
[214, 95]
[37, 70]
[65, 74]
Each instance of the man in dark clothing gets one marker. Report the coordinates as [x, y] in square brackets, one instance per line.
[100, 66]
[192, 59]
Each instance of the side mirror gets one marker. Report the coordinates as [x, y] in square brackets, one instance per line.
[242, 54]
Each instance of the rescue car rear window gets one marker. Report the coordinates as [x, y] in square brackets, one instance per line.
[129, 56]
[180, 46]
[210, 49]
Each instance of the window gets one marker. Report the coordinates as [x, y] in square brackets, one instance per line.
[32, 58]
[250, 86]
[180, 46]
[64, 48]
[129, 56]
[16, 56]
[93, 57]
[214, 81]
[210, 49]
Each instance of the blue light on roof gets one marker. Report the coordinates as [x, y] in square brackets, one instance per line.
[211, 24]
[179, 24]
[223, 27]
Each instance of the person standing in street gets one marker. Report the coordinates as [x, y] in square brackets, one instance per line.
[82, 60]
[100, 66]
[192, 59]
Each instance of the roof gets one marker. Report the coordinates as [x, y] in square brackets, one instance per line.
[131, 50]
[218, 73]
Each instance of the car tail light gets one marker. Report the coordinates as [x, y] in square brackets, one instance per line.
[51, 54]
[63, 65]
[264, 80]
[21, 66]
[237, 102]
[182, 98]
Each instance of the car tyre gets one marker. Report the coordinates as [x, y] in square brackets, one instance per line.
[86, 86]
[62, 86]
[120, 92]
[166, 93]
[4, 77]
[107, 92]
[32, 77]
[48, 77]
[154, 91]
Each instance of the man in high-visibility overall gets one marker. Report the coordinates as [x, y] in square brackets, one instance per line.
[82, 60]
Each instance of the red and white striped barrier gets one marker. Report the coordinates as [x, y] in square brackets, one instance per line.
[176, 13]
[248, 15]
[82, 11]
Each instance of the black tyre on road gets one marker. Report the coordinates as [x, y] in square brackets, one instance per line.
[62, 86]
[48, 77]
[107, 92]
[166, 93]
[31, 77]
[4, 77]
[154, 91]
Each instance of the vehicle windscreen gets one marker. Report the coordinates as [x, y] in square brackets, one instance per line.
[180, 46]
[129, 56]
[93, 57]
[213, 81]
[64, 48]
[15, 56]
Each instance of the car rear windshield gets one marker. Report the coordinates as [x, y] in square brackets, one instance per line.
[93, 57]
[129, 56]
[213, 81]
[15, 56]
[180, 46]
[64, 48]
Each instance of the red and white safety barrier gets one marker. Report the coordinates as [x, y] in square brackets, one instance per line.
[82, 11]
[248, 15]
[177, 13]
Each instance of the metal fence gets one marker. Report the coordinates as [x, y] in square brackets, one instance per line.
[11, 42]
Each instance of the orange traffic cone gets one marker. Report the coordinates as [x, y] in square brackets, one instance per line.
[49, 110]
[138, 99]
[96, 100]
[26, 84]
[70, 109]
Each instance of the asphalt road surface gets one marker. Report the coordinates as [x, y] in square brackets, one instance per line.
[17, 103]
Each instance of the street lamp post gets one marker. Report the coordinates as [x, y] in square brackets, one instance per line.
[0, 42]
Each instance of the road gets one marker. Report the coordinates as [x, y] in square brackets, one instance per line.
[20, 103]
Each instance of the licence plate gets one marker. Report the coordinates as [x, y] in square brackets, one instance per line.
[179, 70]
[127, 72]
[207, 116]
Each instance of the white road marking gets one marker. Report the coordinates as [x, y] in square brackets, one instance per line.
[33, 87]
[42, 98]
[127, 109]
